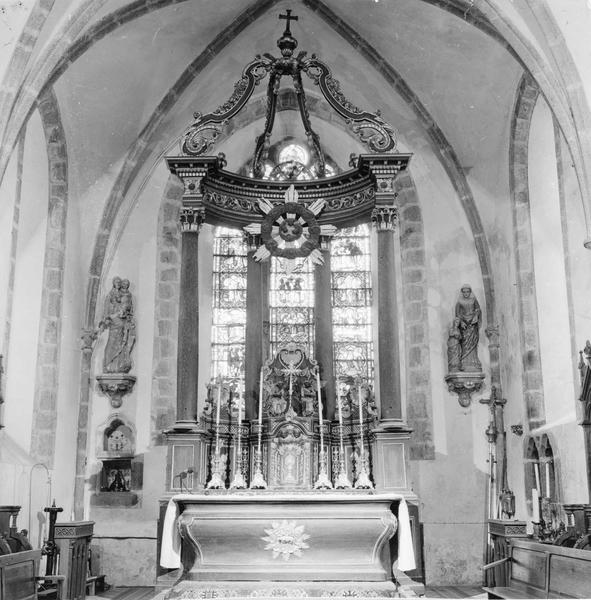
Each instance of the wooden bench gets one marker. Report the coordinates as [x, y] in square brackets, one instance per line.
[544, 571]
[18, 576]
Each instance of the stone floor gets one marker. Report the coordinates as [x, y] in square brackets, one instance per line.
[148, 593]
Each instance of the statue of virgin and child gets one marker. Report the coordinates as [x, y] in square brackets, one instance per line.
[462, 343]
[118, 319]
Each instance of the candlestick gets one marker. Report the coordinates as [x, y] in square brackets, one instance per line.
[547, 479]
[535, 505]
[362, 482]
[260, 410]
[537, 476]
[360, 419]
[323, 482]
[258, 481]
[340, 407]
[217, 416]
[238, 481]
[342, 481]
[320, 411]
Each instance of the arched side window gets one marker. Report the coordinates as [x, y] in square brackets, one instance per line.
[228, 332]
[351, 303]
[532, 471]
[547, 472]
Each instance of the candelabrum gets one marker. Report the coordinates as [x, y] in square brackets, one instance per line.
[258, 481]
[322, 482]
[362, 482]
[216, 482]
[342, 481]
[238, 482]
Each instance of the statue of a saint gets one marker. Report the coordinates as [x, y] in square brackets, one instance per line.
[470, 316]
[454, 347]
[118, 319]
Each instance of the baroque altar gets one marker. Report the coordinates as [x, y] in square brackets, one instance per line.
[306, 539]
[291, 480]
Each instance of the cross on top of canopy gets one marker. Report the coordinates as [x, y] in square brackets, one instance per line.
[371, 129]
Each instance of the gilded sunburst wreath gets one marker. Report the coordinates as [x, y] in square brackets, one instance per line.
[286, 539]
[290, 230]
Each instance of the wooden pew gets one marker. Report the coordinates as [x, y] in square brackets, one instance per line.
[18, 576]
[544, 571]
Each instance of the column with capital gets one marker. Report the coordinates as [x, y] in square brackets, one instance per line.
[391, 436]
[384, 218]
[191, 220]
[256, 316]
[323, 346]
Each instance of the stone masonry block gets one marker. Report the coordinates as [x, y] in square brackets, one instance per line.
[414, 311]
[412, 275]
[169, 257]
[169, 275]
[415, 357]
[54, 308]
[417, 333]
[165, 291]
[165, 327]
[50, 333]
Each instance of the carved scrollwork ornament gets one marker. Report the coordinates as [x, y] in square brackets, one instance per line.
[369, 127]
[384, 218]
[203, 134]
[191, 219]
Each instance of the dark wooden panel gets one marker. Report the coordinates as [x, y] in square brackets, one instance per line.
[570, 577]
[529, 568]
[17, 575]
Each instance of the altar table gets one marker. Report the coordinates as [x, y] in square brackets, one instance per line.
[280, 537]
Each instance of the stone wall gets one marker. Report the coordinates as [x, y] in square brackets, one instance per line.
[168, 263]
[48, 355]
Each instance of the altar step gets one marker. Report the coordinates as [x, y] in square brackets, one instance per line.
[261, 590]
[447, 591]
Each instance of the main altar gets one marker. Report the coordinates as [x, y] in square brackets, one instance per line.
[291, 478]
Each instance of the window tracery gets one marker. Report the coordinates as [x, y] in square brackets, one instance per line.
[351, 303]
[229, 304]
[291, 304]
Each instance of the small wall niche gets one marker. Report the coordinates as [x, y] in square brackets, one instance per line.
[121, 474]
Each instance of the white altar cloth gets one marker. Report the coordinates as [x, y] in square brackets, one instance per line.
[170, 552]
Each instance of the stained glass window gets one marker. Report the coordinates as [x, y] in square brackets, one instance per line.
[291, 304]
[351, 303]
[229, 304]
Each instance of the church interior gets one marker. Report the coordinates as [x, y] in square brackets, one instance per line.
[293, 298]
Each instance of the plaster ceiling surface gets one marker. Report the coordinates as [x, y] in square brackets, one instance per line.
[108, 94]
[464, 78]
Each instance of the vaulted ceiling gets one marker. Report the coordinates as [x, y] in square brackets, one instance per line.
[138, 70]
